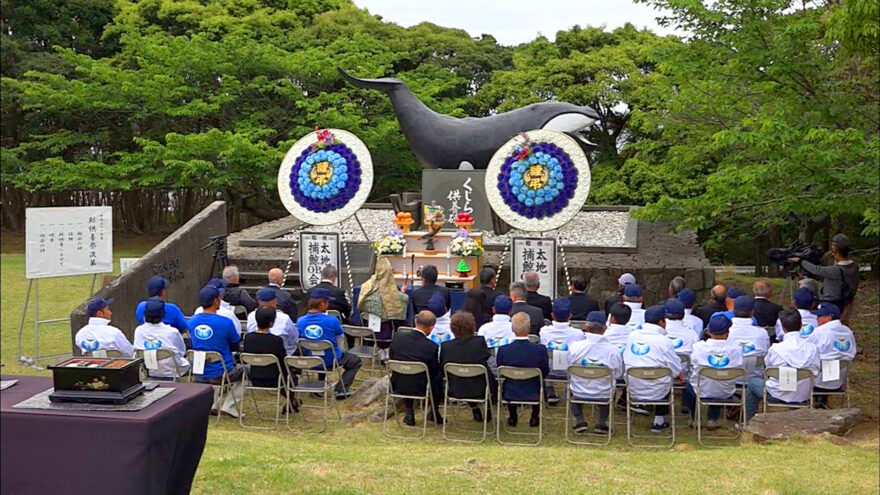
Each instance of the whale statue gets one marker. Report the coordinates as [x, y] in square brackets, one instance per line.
[443, 141]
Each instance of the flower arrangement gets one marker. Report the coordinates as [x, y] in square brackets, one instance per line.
[326, 175]
[390, 243]
[464, 245]
[537, 180]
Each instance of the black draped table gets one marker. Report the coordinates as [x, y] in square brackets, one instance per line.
[155, 450]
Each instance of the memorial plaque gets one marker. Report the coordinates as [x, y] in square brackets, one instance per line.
[317, 250]
[535, 254]
[458, 191]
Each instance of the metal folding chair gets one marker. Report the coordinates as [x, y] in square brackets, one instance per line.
[720, 375]
[408, 368]
[336, 314]
[367, 353]
[649, 373]
[321, 384]
[108, 353]
[678, 387]
[556, 376]
[258, 360]
[463, 371]
[161, 355]
[402, 329]
[579, 324]
[225, 383]
[547, 322]
[843, 390]
[534, 339]
[802, 374]
[319, 347]
[591, 373]
[518, 374]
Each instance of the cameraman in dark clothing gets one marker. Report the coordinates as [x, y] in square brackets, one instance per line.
[840, 280]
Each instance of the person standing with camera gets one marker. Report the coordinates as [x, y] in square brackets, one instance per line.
[840, 280]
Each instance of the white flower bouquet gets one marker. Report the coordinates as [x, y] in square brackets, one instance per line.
[390, 243]
[464, 245]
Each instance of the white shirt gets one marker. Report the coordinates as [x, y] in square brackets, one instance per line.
[794, 352]
[807, 318]
[648, 347]
[225, 311]
[150, 336]
[98, 334]
[694, 322]
[283, 327]
[638, 314]
[442, 332]
[616, 335]
[754, 343]
[835, 341]
[715, 353]
[560, 332]
[591, 352]
[497, 332]
[682, 337]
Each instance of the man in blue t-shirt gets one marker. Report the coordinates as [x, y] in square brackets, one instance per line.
[156, 288]
[212, 332]
[318, 325]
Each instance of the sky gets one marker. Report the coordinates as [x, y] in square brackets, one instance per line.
[516, 21]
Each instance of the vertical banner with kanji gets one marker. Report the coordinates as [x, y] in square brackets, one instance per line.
[535, 254]
[316, 250]
[63, 241]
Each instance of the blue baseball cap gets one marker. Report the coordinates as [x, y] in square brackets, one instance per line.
[632, 290]
[320, 293]
[436, 305]
[828, 309]
[155, 285]
[503, 304]
[207, 295]
[562, 308]
[266, 295]
[97, 304]
[687, 297]
[674, 308]
[655, 313]
[219, 283]
[155, 308]
[804, 298]
[734, 292]
[719, 324]
[596, 317]
[744, 303]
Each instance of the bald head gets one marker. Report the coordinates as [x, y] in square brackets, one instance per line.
[520, 324]
[276, 276]
[533, 282]
[761, 288]
[719, 293]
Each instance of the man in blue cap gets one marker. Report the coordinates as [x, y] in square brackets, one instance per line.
[282, 326]
[753, 340]
[617, 329]
[718, 352]
[498, 332]
[557, 337]
[225, 310]
[835, 342]
[156, 289]
[442, 332]
[632, 297]
[688, 299]
[593, 350]
[154, 335]
[99, 335]
[212, 332]
[595, 325]
[732, 294]
[681, 336]
[804, 301]
[649, 347]
[318, 325]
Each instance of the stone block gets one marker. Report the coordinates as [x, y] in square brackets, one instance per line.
[802, 422]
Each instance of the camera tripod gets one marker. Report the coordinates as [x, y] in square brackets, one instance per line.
[219, 259]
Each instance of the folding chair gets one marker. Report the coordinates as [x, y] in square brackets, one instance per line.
[161, 355]
[591, 373]
[365, 352]
[408, 368]
[320, 385]
[558, 375]
[225, 383]
[257, 360]
[547, 322]
[335, 313]
[534, 339]
[843, 390]
[518, 374]
[319, 347]
[466, 371]
[405, 329]
[649, 373]
[108, 353]
[579, 324]
[720, 375]
[770, 401]
[678, 386]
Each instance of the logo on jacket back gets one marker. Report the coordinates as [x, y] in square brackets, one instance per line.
[203, 332]
[557, 346]
[89, 345]
[842, 344]
[588, 361]
[314, 331]
[718, 360]
[497, 342]
[676, 342]
[747, 347]
[152, 344]
[806, 330]
[640, 348]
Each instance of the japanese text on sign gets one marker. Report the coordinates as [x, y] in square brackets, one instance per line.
[68, 241]
[533, 254]
[317, 250]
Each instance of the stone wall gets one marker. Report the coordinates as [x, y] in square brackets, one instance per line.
[178, 258]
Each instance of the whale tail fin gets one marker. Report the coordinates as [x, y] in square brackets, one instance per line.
[386, 84]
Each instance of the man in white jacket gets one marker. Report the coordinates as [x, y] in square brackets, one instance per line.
[753, 340]
[719, 352]
[154, 335]
[99, 334]
[835, 342]
[593, 352]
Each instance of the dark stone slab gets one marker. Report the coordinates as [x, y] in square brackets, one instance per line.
[802, 422]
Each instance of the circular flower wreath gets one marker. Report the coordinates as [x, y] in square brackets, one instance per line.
[325, 177]
[537, 180]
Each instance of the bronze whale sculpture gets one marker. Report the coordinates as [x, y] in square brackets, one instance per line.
[443, 141]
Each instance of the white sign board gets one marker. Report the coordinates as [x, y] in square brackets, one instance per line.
[535, 254]
[68, 241]
[316, 250]
[126, 263]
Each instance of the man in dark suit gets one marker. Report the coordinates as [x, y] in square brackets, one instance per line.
[422, 295]
[766, 312]
[523, 354]
[415, 346]
[533, 283]
[487, 286]
[235, 294]
[468, 348]
[716, 304]
[581, 303]
[329, 277]
[518, 296]
[285, 300]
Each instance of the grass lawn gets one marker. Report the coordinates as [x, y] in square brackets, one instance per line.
[358, 458]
